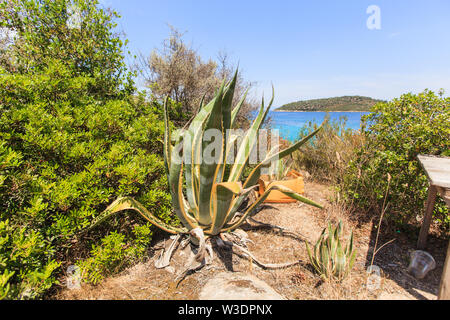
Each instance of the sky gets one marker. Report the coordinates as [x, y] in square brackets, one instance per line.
[307, 49]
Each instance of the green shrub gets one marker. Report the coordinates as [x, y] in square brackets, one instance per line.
[64, 156]
[45, 34]
[73, 136]
[25, 255]
[114, 253]
[328, 154]
[396, 132]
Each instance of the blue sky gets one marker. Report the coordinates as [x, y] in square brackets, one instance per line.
[307, 49]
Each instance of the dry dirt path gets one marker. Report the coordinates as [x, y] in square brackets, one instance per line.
[144, 281]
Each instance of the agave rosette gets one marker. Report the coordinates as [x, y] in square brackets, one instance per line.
[210, 195]
[329, 257]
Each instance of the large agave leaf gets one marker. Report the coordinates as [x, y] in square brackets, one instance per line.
[192, 149]
[127, 203]
[227, 102]
[188, 147]
[209, 171]
[179, 204]
[175, 176]
[229, 151]
[249, 142]
[193, 143]
[221, 197]
[263, 197]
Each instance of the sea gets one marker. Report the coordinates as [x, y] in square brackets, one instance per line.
[290, 124]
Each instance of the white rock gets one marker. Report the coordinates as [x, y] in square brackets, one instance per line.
[237, 286]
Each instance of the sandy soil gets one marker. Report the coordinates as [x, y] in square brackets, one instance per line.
[144, 281]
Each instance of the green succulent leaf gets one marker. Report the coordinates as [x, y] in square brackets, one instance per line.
[329, 258]
[127, 203]
[222, 196]
[209, 171]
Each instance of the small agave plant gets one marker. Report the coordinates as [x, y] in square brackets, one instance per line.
[209, 198]
[329, 257]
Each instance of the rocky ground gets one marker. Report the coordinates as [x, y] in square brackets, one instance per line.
[144, 281]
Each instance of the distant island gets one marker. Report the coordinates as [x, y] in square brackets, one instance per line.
[345, 103]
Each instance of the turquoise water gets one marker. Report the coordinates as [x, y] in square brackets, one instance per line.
[290, 123]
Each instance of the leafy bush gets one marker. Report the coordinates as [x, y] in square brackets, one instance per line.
[72, 137]
[64, 155]
[396, 132]
[114, 253]
[26, 255]
[44, 33]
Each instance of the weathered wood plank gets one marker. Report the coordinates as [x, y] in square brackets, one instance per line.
[437, 169]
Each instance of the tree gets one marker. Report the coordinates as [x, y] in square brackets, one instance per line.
[75, 32]
[178, 71]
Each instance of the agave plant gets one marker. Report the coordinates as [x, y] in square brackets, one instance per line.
[329, 258]
[209, 198]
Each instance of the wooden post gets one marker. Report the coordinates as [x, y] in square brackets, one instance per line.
[444, 291]
[432, 191]
[437, 170]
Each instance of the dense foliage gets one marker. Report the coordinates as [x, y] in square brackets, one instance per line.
[64, 156]
[72, 138]
[396, 132]
[75, 32]
[345, 103]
